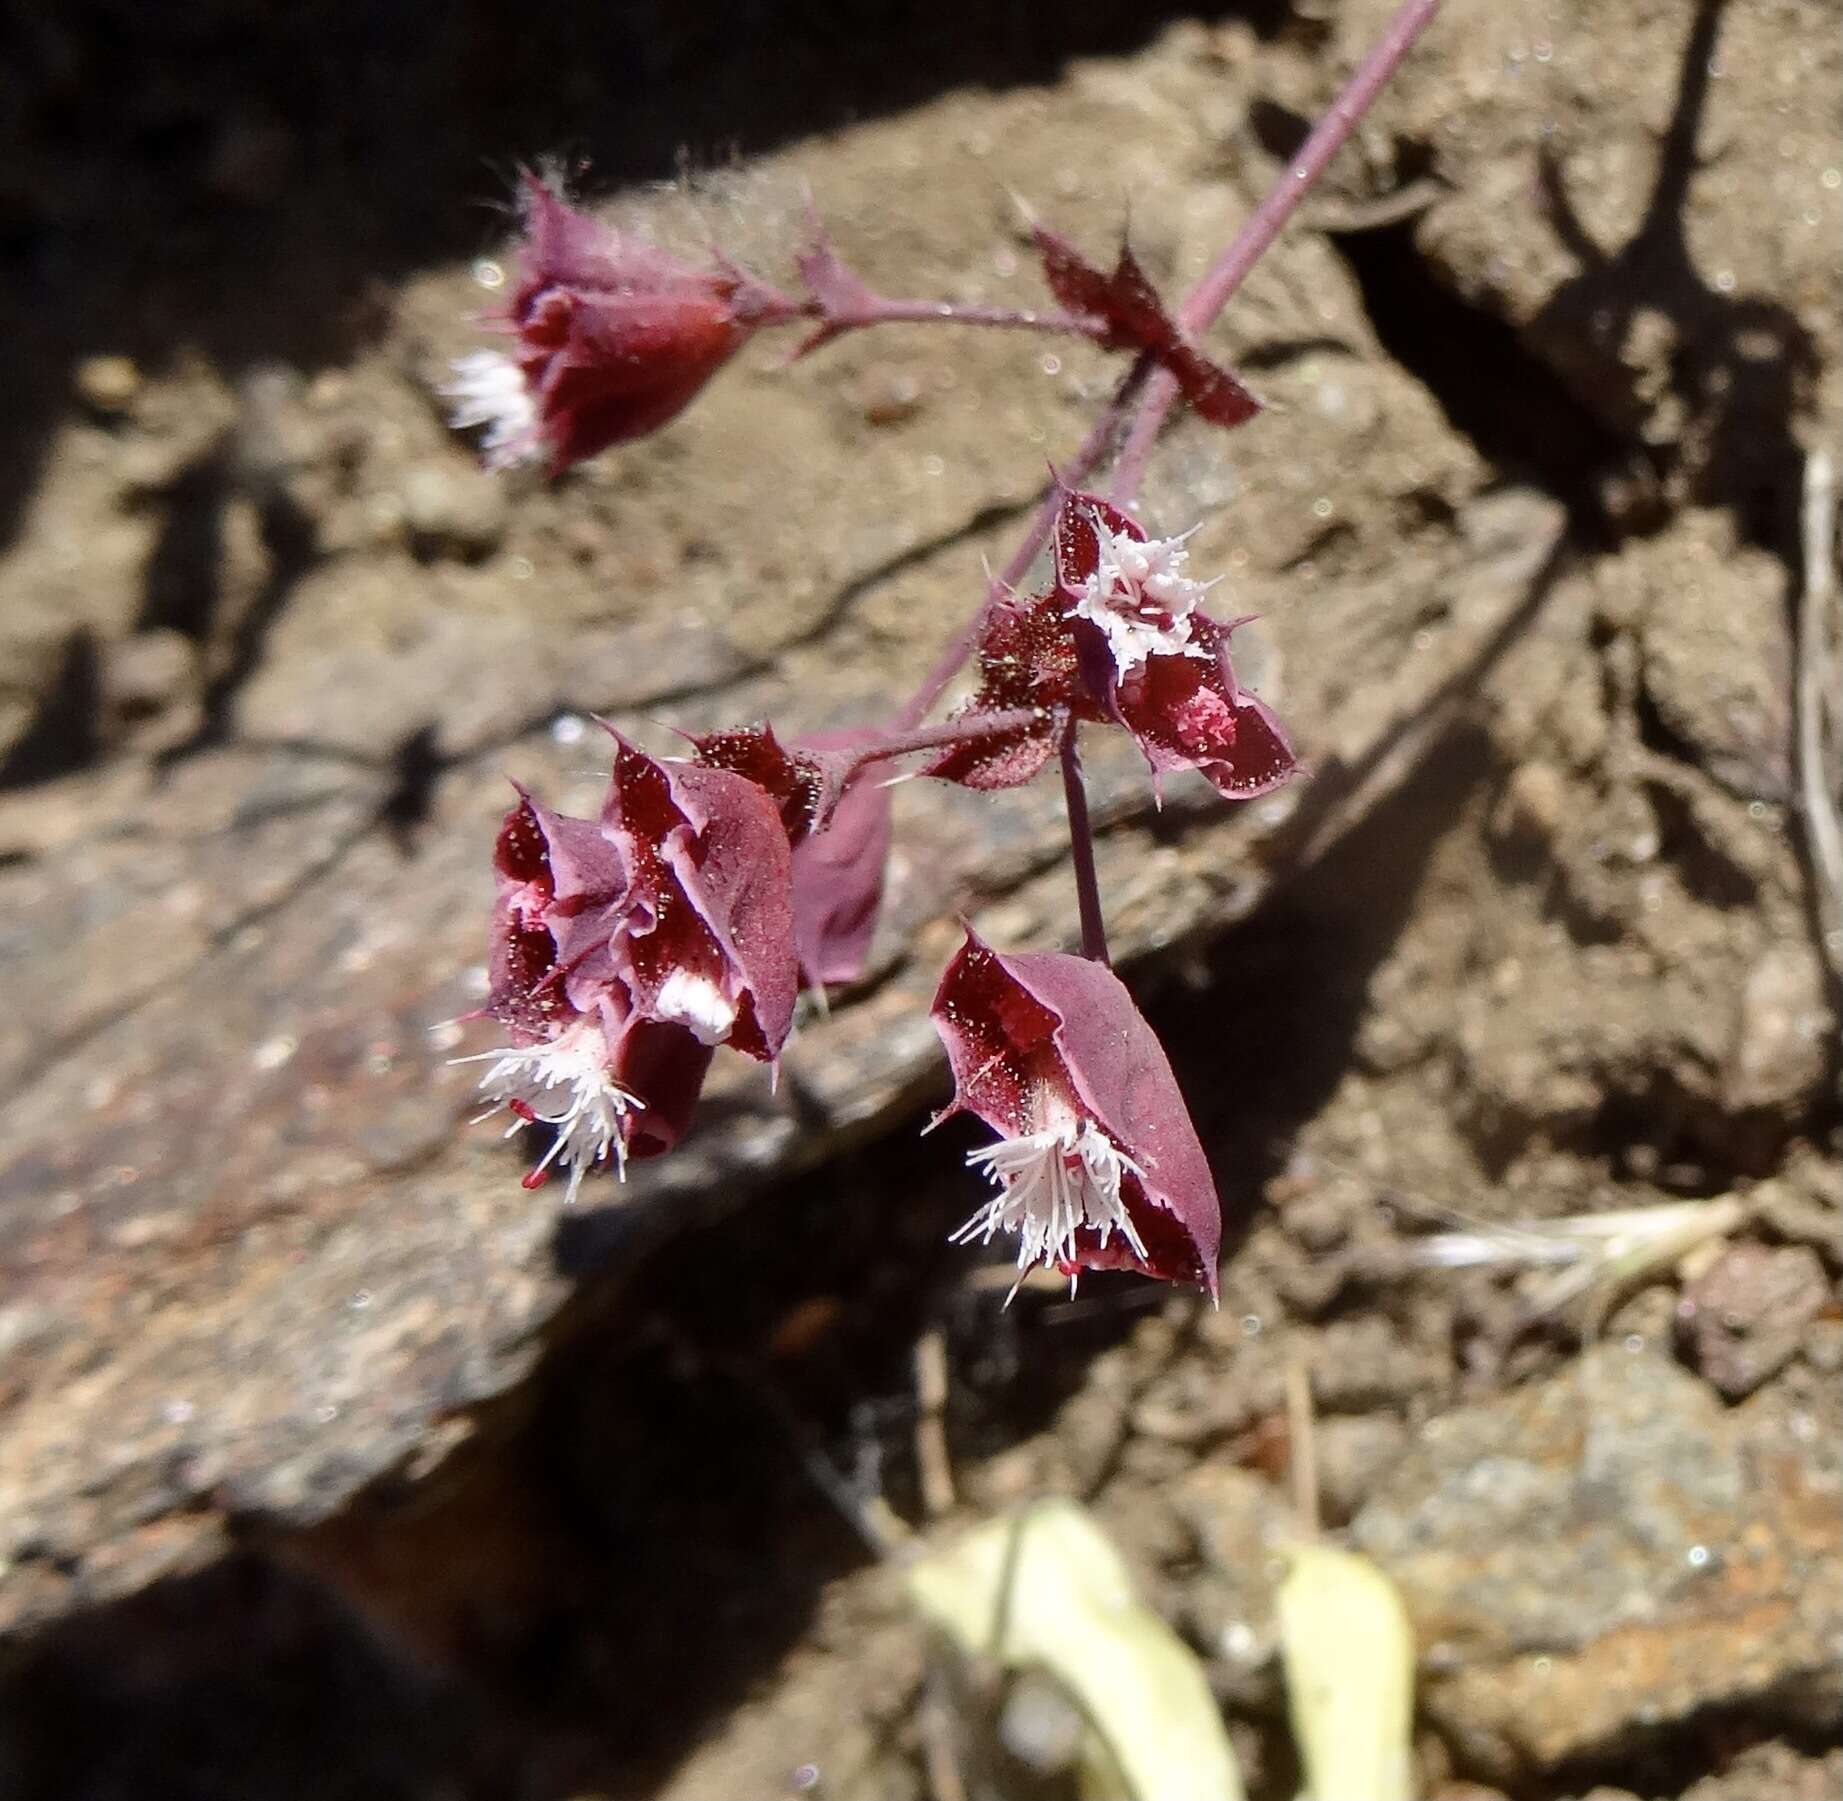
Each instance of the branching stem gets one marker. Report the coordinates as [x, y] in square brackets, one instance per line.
[1266, 222]
[1154, 391]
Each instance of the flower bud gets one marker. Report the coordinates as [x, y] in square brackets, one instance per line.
[611, 338]
[625, 950]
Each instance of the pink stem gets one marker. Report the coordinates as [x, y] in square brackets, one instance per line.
[1265, 223]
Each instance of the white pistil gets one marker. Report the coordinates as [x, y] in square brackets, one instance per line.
[572, 1070]
[1052, 1185]
[489, 389]
[697, 1003]
[1140, 597]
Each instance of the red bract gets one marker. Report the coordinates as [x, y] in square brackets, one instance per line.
[707, 932]
[840, 837]
[799, 783]
[613, 338]
[1097, 1164]
[1027, 659]
[625, 950]
[1136, 318]
[838, 872]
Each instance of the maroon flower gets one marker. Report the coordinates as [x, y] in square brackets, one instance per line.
[1122, 638]
[1153, 660]
[613, 338]
[625, 950]
[1097, 1165]
[610, 1083]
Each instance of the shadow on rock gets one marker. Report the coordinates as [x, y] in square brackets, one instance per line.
[1740, 364]
[241, 1681]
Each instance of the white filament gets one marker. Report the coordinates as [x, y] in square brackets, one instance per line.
[572, 1070]
[490, 390]
[1140, 597]
[1051, 1186]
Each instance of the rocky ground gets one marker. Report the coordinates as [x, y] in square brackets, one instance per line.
[333, 1462]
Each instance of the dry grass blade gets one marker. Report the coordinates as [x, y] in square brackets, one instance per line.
[1349, 1653]
[1812, 699]
[1598, 1255]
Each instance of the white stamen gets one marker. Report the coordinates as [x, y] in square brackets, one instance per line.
[489, 389]
[1140, 597]
[588, 1123]
[1052, 1185]
[697, 1002]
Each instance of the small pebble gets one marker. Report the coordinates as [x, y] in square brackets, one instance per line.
[452, 512]
[109, 385]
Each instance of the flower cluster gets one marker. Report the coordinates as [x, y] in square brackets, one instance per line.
[611, 337]
[712, 887]
[626, 949]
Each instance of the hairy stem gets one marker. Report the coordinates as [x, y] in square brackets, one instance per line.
[1081, 843]
[878, 309]
[939, 737]
[1266, 222]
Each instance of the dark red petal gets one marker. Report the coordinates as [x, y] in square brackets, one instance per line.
[520, 853]
[1076, 282]
[665, 1066]
[1027, 658]
[1016, 1025]
[522, 992]
[1006, 759]
[584, 868]
[999, 1041]
[738, 878]
[838, 886]
[1188, 713]
[838, 872]
[1262, 759]
[1214, 393]
[797, 782]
